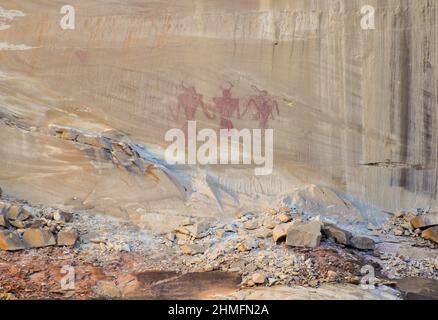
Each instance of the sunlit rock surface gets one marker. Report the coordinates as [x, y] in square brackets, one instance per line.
[357, 108]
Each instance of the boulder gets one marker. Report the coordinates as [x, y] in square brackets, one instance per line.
[67, 237]
[362, 243]
[304, 234]
[431, 234]
[258, 278]
[13, 212]
[64, 216]
[2, 220]
[38, 238]
[424, 221]
[192, 249]
[339, 235]
[280, 232]
[11, 241]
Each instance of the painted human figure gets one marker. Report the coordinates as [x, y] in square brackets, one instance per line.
[189, 101]
[226, 106]
[264, 105]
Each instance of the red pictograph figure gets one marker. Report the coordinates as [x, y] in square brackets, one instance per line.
[189, 101]
[226, 106]
[264, 105]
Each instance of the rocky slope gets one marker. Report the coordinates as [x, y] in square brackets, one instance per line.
[83, 114]
[357, 107]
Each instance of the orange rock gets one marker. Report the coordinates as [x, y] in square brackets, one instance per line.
[10, 241]
[67, 237]
[13, 212]
[2, 220]
[427, 220]
[431, 234]
[38, 238]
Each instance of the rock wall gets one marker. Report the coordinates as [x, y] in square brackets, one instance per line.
[357, 108]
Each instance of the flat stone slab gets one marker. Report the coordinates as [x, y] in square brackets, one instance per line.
[431, 234]
[427, 220]
[304, 234]
[38, 238]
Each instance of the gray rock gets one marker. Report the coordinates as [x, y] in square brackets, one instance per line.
[67, 237]
[3, 205]
[339, 235]
[251, 225]
[362, 243]
[26, 213]
[304, 234]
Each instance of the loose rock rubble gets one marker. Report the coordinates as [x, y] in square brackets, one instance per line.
[23, 226]
[428, 224]
[419, 225]
[271, 248]
[280, 246]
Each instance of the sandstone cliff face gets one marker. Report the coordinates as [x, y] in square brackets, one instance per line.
[357, 108]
